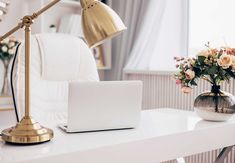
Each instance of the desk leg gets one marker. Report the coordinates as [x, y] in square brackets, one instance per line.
[223, 154]
[180, 160]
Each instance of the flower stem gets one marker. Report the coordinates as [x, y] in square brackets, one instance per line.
[205, 78]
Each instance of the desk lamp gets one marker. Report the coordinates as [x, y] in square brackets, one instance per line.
[99, 23]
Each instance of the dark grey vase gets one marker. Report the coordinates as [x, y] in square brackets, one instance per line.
[215, 105]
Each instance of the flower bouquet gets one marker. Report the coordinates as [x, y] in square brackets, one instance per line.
[214, 65]
[7, 51]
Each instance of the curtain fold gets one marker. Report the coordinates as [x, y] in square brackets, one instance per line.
[164, 34]
[157, 31]
[132, 13]
[152, 23]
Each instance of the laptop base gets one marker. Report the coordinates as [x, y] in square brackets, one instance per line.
[64, 127]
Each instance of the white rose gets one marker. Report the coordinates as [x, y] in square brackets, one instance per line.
[11, 44]
[4, 48]
[225, 61]
[204, 53]
[11, 51]
[190, 74]
[6, 41]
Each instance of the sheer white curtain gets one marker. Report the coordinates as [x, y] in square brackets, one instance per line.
[164, 34]
[132, 13]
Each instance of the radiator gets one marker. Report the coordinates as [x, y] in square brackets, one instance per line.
[160, 91]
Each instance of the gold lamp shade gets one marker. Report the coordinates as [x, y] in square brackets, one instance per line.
[99, 22]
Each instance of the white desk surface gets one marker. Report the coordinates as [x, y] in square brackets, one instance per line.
[162, 135]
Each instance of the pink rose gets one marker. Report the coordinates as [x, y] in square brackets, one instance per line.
[178, 81]
[186, 89]
[190, 74]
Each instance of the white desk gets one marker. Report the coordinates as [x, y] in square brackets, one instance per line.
[163, 134]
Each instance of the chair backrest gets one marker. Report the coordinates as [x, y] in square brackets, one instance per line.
[48, 96]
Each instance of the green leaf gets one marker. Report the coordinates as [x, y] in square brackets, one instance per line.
[201, 59]
[212, 70]
[204, 72]
[197, 71]
[218, 79]
[231, 73]
[193, 83]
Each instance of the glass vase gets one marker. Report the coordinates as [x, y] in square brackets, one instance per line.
[215, 105]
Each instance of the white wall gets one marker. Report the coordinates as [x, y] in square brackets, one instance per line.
[213, 21]
[16, 10]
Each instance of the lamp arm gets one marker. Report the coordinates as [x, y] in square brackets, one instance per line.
[13, 30]
[35, 15]
[28, 20]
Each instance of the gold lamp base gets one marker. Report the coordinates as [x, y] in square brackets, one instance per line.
[27, 131]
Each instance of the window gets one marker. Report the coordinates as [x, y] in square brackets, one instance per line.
[164, 34]
[213, 21]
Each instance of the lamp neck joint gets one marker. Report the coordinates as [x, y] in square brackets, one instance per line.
[27, 21]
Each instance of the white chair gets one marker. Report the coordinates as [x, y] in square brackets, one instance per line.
[48, 96]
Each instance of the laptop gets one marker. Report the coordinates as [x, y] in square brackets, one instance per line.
[101, 106]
